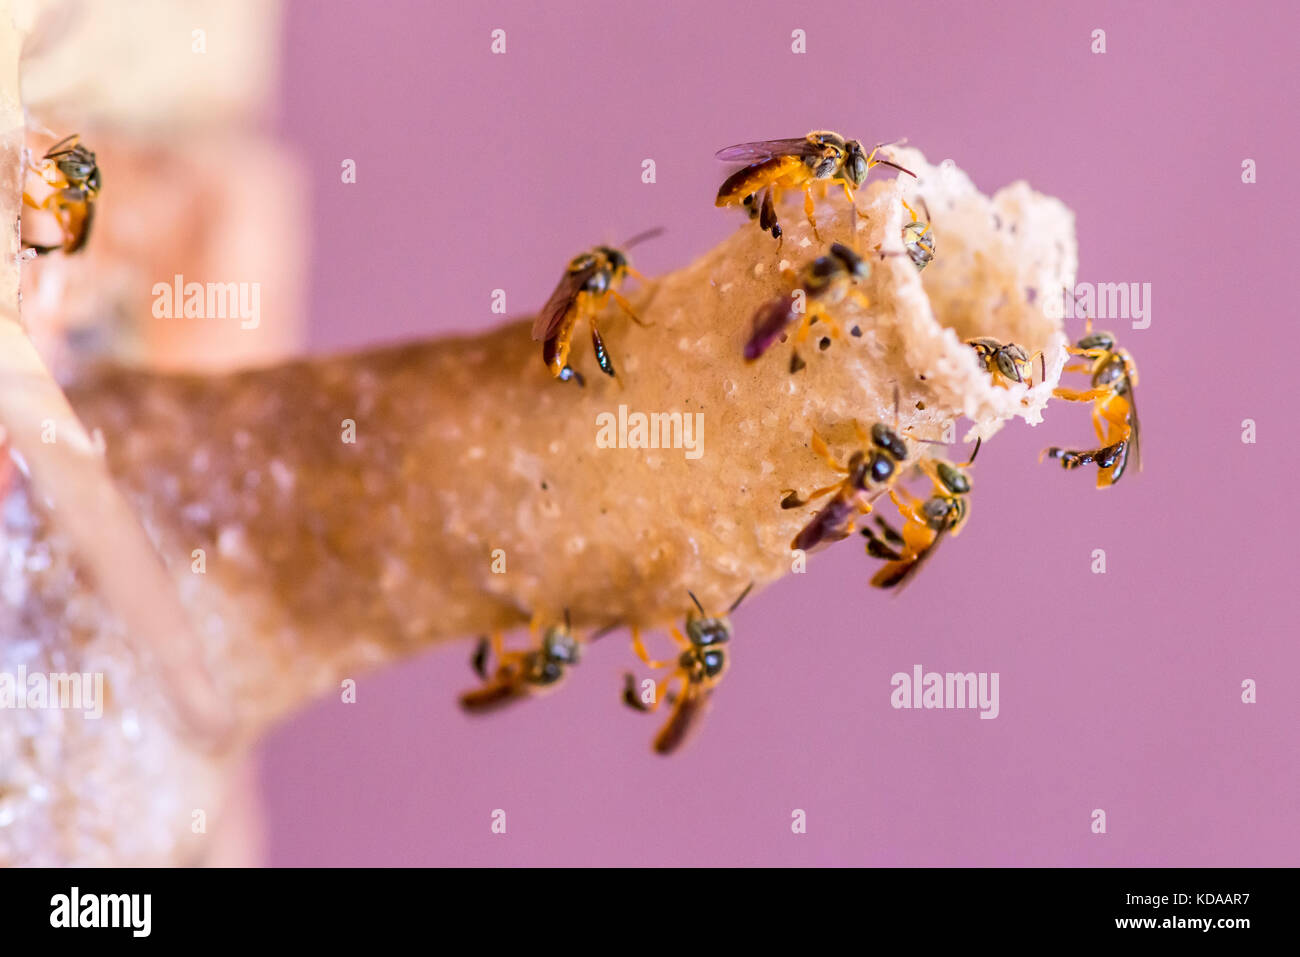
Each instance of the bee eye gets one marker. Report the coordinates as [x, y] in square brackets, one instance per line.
[953, 480]
[882, 467]
[1007, 366]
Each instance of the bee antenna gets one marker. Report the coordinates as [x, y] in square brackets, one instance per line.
[602, 632]
[642, 237]
[567, 623]
[736, 604]
[893, 165]
[697, 603]
[979, 440]
[897, 406]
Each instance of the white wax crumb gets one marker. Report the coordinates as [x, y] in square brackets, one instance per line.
[282, 475]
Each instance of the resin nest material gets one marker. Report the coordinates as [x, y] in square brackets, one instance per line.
[325, 555]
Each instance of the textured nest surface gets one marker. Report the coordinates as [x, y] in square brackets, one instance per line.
[325, 556]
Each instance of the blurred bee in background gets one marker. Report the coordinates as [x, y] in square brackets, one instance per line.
[869, 472]
[926, 523]
[587, 285]
[777, 165]
[521, 674]
[72, 171]
[1005, 362]
[918, 241]
[1114, 410]
[826, 281]
[698, 669]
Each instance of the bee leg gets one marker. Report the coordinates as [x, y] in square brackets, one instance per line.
[809, 209]
[1076, 395]
[822, 451]
[853, 205]
[1086, 353]
[630, 696]
[598, 346]
[793, 501]
[767, 218]
[1069, 458]
[877, 548]
[639, 647]
[627, 308]
[679, 637]
[860, 298]
[907, 509]
[1098, 420]
[825, 316]
[479, 659]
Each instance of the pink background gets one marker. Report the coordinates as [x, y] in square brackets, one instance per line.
[1118, 691]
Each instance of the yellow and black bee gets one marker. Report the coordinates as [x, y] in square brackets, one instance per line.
[869, 472]
[521, 674]
[696, 672]
[74, 173]
[826, 281]
[926, 523]
[1114, 408]
[778, 165]
[587, 285]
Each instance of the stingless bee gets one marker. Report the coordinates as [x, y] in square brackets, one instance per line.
[926, 523]
[778, 165]
[868, 473]
[698, 669]
[521, 674]
[587, 285]
[1114, 409]
[917, 238]
[73, 172]
[826, 281]
[1006, 362]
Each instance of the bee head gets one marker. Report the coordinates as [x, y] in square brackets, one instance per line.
[704, 630]
[920, 248]
[857, 267]
[952, 478]
[855, 163]
[559, 646]
[78, 166]
[616, 258]
[883, 437]
[1011, 359]
[943, 513]
[1097, 340]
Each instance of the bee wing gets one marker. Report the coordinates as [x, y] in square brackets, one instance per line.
[63, 147]
[761, 150]
[900, 574]
[692, 703]
[1135, 443]
[561, 301]
[492, 695]
[826, 526]
[770, 321]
